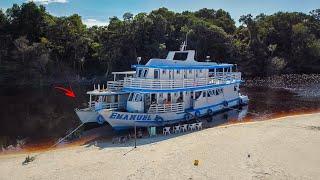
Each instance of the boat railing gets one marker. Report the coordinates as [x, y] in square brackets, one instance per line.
[104, 105]
[180, 83]
[164, 108]
[115, 85]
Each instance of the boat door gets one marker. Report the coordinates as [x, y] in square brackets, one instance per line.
[187, 100]
[147, 102]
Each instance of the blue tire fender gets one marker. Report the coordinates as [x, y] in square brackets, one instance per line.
[197, 113]
[159, 118]
[187, 116]
[100, 119]
[225, 103]
[210, 112]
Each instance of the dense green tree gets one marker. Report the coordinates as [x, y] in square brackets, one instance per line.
[36, 47]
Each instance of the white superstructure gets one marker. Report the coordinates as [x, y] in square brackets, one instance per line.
[164, 91]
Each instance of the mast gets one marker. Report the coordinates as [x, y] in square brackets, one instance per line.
[183, 46]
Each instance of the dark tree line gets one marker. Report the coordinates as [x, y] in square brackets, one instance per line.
[36, 47]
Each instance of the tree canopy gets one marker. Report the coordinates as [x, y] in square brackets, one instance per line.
[36, 46]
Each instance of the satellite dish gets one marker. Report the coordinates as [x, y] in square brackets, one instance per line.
[208, 59]
[138, 60]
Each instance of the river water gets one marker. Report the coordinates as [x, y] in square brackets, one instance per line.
[39, 116]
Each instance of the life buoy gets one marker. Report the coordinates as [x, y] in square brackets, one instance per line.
[187, 117]
[158, 118]
[197, 113]
[225, 103]
[210, 112]
[100, 119]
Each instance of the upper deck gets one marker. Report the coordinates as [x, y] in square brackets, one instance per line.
[180, 71]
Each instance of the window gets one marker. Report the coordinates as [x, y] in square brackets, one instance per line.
[178, 71]
[139, 72]
[164, 71]
[138, 98]
[197, 94]
[170, 74]
[180, 56]
[210, 93]
[185, 74]
[190, 71]
[153, 98]
[160, 95]
[204, 94]
[156, 74]
[200, 70]
[145, 72]
[116, 98]
[197, 73]
[169, 97]
[130, 97]
[175, 94]
[217, 92]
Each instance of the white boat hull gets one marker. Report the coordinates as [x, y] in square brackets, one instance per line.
[87, 115]
[124, 120]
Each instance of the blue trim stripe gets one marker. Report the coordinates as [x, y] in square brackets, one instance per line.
[142, 90]
[183, 67]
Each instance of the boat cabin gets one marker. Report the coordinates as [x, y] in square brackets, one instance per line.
[178, 83]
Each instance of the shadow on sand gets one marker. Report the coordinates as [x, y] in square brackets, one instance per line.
[106, 136]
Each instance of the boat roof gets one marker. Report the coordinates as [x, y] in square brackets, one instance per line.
[105, 92]
[177, 64]
[124, 72]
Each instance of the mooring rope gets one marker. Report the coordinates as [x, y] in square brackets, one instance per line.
[29, 159]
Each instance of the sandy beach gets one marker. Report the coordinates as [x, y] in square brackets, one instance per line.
[283, 148]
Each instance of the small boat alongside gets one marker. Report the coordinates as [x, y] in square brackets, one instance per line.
[166, 91]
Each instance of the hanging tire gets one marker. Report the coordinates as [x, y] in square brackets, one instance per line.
[187, 117]
[159, 119]
[225, 103]
[210, 112]
[197, 113]
[100, 119]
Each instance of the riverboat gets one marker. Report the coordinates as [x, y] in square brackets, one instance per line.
[166, 91]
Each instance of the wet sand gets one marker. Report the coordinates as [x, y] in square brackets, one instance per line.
[283, 148]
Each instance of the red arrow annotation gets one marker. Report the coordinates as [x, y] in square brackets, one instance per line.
[67, 92]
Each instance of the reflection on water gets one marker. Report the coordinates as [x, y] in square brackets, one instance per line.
[38, 116]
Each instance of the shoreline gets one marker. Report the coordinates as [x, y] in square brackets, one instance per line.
[86, 140]
[254, 150]
[37, 149]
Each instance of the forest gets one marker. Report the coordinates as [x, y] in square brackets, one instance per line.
[39, 48]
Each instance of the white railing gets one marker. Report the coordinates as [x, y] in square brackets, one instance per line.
[104, 105]
[183, 83]
[162, 108]
[115, 85]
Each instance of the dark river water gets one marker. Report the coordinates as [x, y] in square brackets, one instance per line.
[40, 116]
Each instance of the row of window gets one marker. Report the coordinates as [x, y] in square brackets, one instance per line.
[143, 73]
[209, 93]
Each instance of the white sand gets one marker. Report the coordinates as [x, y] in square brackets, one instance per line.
[286, 148]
